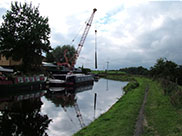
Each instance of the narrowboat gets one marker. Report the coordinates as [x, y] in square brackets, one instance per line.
[78, 79]
[10, 83]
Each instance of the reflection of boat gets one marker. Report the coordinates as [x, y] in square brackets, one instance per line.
[80, 88]
[22, 96]
[56, 89]
[10, 82]
[96, 77]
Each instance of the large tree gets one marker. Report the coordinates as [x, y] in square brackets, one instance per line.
[24, 34]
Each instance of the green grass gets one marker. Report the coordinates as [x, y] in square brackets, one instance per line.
[108, 72]
[162, 117]
[123, 77]
[120, 119]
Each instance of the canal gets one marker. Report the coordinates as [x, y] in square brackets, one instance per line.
[57, 114]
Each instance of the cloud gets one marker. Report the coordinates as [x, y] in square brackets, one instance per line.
[128, 33]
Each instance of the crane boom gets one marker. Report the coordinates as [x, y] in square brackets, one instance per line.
[82, 40]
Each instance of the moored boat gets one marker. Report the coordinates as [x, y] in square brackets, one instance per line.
[77, 79]
[10, 83]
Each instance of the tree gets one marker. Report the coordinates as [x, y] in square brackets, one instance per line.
[58, 54]
[165, 69]
[24, 34]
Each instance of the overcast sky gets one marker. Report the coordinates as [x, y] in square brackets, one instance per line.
[128, 33]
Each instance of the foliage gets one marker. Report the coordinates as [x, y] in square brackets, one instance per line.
[57, 54]
[173, 90]
[85, 70]
[135, 70]
[164, 69]
[179, 75]
[130, 86]
[24, 34]
[167, 70]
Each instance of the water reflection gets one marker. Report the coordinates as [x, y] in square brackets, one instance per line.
[57, 113]
[20, 115]
[68, 118]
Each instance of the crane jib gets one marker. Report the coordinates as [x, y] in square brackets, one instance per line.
[82, 40]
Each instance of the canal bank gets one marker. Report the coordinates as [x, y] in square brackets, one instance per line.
[160, 116]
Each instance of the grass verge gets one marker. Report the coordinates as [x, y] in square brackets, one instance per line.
[162, 118]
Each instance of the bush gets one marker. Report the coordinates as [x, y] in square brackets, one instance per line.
[130, 86]
[173, 91]
[176, 98]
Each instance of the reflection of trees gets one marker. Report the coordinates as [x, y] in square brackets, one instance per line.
[23, 118]
[64, 99]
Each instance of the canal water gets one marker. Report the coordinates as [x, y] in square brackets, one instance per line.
[57, 114]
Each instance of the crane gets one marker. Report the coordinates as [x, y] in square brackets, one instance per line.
[82, 40]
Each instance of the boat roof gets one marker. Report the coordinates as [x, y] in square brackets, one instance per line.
[5, 69]
[78, 75]
[46, 64]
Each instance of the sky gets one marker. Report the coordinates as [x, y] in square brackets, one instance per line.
[129, 33]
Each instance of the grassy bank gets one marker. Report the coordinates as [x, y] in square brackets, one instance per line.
[161, 117]
[120, 119]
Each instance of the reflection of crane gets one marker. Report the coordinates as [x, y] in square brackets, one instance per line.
[82, 40]
[71, 97]
[79, 115]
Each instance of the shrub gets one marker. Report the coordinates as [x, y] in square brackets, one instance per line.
[130, 86]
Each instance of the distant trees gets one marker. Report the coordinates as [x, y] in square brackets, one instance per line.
[163, 68]
[135, 70]
[24, 34]
[57, 54]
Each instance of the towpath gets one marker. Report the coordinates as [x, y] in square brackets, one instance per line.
[140, 119]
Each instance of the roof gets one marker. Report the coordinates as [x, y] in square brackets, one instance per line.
[5, 69]
[45, 64]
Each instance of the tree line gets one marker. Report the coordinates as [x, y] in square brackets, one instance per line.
[163, 68]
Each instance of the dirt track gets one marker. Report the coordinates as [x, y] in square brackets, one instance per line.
[140, 119]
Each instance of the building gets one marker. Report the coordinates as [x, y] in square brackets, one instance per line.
[9, 61]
